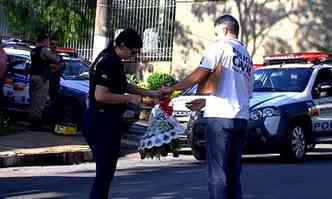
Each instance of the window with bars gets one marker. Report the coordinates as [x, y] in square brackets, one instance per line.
[153, 19]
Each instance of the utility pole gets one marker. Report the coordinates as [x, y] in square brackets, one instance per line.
[101, 40]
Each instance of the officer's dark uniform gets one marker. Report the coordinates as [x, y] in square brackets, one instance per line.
[55, 82]
[40, 70]
[39, 66]
[103, 122]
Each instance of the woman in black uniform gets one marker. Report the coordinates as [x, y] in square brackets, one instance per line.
[107, 103]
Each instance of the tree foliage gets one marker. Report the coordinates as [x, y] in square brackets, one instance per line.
[65, 18]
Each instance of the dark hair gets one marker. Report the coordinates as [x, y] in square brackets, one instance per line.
[231, 23]
[54, 37]
[130, 38]
[42, 36]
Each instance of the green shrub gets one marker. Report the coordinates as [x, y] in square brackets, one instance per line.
[157, 80]
[134, 81]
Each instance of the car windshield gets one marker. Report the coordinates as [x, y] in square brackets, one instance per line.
[281, 79]
[76, 70]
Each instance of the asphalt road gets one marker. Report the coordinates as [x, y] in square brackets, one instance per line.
[264, 177]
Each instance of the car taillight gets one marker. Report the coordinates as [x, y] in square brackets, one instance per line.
[18, 87]
[8, 81]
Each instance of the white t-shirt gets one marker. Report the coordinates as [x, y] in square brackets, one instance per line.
[236, 83]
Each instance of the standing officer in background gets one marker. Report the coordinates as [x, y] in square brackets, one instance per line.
[3, 69]
[43, 59]
[107, 103]
[226, 108]
[55, 73]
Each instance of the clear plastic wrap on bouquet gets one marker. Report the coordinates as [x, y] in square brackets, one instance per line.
[161, 136]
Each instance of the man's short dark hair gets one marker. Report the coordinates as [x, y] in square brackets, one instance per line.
[42, 36]
[229, 21]
[130, 38]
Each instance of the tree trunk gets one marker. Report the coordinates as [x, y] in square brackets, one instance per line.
[101, 40]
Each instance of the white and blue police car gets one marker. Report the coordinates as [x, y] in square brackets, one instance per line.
[291, 107]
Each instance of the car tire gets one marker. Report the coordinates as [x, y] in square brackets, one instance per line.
[199, 152]
[295, 148]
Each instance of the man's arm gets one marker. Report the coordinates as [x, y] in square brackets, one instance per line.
[195, 77]
[48, 54]
[141, 91]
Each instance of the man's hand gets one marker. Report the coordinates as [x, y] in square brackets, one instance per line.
[154, 93]
[165, 90]
[196, 105]
[134, 99]
[55, 67]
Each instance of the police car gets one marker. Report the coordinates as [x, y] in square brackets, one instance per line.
[291, 107]
[74, 86]
[73, 94]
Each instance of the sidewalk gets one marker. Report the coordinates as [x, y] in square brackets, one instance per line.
[46, 148]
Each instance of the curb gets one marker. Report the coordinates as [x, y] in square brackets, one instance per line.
[62, 158]
[64, 154]
[61, 155]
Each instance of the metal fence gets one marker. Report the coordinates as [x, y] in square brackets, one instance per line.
[3, 23]
[153, 19]
[84, 46]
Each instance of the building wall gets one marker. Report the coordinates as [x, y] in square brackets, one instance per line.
[268, 26]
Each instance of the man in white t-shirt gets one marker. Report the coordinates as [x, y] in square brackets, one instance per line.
[226, 109]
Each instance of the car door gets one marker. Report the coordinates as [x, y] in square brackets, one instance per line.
[322, 98]
[19, 83]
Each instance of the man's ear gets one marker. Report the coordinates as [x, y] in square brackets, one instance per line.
[225, 30]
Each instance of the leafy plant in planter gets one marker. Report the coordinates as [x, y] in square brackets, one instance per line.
[157, 80]
[132, 79]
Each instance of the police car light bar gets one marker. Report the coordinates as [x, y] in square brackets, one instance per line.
[69, 51]
[308, 57]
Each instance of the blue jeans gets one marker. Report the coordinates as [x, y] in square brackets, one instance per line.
[225, 138]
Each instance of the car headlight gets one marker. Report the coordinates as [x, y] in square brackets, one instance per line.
[264, 113]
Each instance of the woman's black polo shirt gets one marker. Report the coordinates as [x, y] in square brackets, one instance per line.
[108, 72]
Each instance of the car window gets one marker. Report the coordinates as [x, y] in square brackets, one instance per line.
[75, 69]
[16, 59]
[17, 62]
[281, 79]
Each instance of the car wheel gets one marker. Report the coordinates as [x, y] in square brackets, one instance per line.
[199, 152]
[295, 148]
[197, 133]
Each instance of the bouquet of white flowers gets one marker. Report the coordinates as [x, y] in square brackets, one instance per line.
[162, 133]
